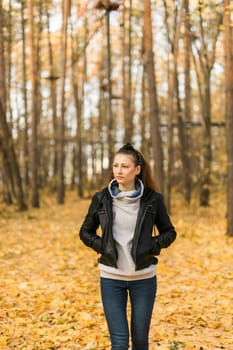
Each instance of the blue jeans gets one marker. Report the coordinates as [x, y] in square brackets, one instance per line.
[114, 298]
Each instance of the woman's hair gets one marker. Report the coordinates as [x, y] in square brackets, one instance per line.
[145, 174]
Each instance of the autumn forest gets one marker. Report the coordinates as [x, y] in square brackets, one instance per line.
[78, 79]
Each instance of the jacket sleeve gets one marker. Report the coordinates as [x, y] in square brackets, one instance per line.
[167, 233]
[88, 230]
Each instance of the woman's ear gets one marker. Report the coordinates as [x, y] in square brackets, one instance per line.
[138, 169]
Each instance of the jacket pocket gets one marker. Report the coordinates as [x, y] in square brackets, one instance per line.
[155, 246]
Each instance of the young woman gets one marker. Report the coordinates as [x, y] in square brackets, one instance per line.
[128, 211]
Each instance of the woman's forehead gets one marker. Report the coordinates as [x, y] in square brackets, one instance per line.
[123, 158]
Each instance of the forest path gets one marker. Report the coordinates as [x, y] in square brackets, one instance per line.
[49, 282]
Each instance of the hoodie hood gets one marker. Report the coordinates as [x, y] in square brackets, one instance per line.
[134, 194]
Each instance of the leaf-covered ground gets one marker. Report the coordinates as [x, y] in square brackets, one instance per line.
[49, 282]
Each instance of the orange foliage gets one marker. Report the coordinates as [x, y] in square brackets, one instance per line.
[49, 282]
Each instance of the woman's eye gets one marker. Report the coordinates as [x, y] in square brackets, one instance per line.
[120, 166]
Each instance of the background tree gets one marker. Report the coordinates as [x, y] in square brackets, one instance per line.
[61, 125]
[9, 152]
[173, 108]
[34, 108]
[205, 46]
[7, 180]
[25, 98]
[10, 163]
[52, 77]
[229, 112]
[78, 78]
[126, 70]
[109, 6]
[185, 134]
[153, 99]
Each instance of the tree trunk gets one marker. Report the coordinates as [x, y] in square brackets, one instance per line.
[173, 91]
[73, 173]
[25, 101]
[171, 112]
[61, 129]
[153, 100]
[9, 150]
[181, 115]
[206, 58]
[38, 97]
[109, 102]
[143, 120]
[79, 162]
[7, 181]
[102, 109]
[7, 178]
[3, 93]
[9, 61]
[78, 80]
[187, 105]
[207, 152]
[7, 197]
[126, 72]
[53, 77]
[229, 112]
[34, 109]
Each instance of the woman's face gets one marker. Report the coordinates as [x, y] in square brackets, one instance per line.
[125, 171]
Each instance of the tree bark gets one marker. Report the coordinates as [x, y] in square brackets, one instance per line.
[9, 150]
[228, 39]
[186, 152]
[126, 72]
[206, 58]
[109, 102]
[7, 180]
[25, 102]
[78, 91]
[61, 129]
[34, 110]
[153, 99]
[3, 93]
[9, 61]
[53, 77]
[173, 91]
[181, 115]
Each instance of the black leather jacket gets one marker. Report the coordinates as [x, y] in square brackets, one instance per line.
[145, 245]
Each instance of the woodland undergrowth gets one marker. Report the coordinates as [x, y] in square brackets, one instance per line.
[49, 281]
